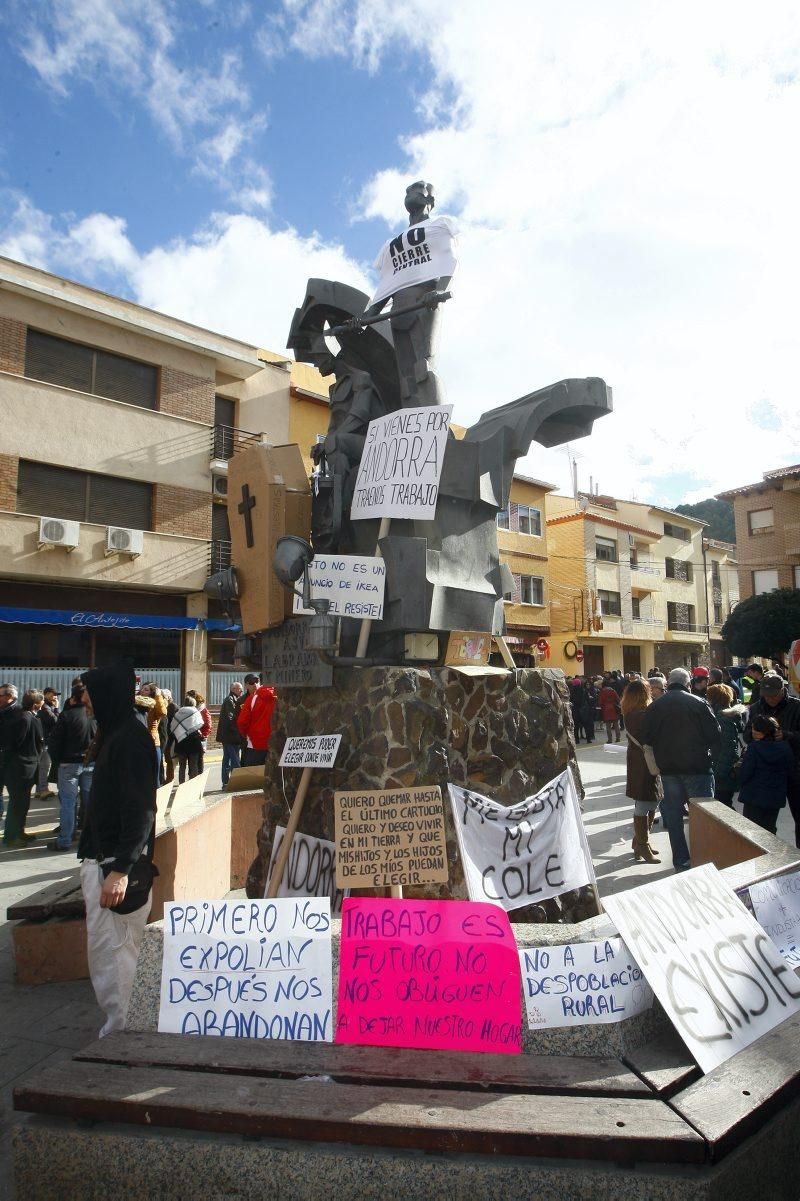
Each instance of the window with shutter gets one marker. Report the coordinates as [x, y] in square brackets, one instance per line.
[112, 501]
[72, 365]
[48, 491]
[58, 362]
[125, 379]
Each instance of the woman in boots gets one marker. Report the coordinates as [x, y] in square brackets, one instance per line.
[642, 786]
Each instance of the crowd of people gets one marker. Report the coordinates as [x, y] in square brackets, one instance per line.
[709, 732]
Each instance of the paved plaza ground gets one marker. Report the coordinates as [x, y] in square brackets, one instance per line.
[46, 1023]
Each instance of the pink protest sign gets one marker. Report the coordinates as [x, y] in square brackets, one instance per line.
[437, 974]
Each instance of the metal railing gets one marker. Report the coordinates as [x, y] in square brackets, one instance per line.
[226, 440]
[61, 677]
[685, 627]
[219, 555]
[646, 568]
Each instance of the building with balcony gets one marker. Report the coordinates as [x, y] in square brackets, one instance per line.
[118, 423]
[767, 517]
[522, 542]
[632, 585]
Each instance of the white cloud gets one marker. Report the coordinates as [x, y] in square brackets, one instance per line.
[236, 275]
[135, 50]
[628, 196]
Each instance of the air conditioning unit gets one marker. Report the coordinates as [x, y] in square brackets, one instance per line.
[219, 486]
[54, 531]
[120, 541]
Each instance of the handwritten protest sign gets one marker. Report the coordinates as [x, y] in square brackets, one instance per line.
[309, 870]
[287, 661]
[520, 854]
[435, 974]
[354, 585]
[776, 904]
[401, 464]
[317, 750]
[248, 969]
[582, 983]
[721, 980]
[390, 837]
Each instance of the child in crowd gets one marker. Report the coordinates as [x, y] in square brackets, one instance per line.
[766, 768]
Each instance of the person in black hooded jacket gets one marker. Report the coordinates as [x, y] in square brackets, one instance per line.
[117, 833]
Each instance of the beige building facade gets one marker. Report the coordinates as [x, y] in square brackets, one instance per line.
[117, 426]
[522, 543]
[767, 517]
[633, 586]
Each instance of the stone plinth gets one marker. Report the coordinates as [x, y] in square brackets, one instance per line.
[505, 735]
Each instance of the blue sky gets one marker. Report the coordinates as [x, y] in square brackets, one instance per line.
[623, 176]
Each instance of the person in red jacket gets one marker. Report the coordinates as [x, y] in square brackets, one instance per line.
[255, 720]
[608, 700]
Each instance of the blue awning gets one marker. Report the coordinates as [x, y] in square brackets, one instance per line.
[112, 621]
[99, 621]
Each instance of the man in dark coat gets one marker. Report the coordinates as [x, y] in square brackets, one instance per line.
[775, 701]
[117, 834]
[685, 737]
[68, 744]
[228, 732]
[22, 743]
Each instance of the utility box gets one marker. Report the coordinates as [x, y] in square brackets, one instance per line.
[268, 496]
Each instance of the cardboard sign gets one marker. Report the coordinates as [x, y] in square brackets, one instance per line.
[353, 584]
[309, 870]
[268, 496]
[190, 792]
[521, 854]
[390, 837]
[401, 464]
[286, 661]
[776, 904]
[435, 974]
[582, 984]
[717, 974]
[318, 750]
[466, 648]
[248, 969]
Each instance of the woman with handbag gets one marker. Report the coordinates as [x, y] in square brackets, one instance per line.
[642, 785]
[116, 845]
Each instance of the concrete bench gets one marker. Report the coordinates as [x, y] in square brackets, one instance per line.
[202, 850]
[250, 1118]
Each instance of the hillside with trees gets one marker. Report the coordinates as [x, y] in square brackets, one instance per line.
[718, 514]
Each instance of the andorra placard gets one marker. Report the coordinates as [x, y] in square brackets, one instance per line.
[401, 464]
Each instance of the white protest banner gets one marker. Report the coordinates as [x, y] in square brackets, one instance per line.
[353, 584]
[309, 870]
[401, 464]
[776, 904]
[520, 854]
[721, 980]
[248, 969]
[582, 984]
[315, 750]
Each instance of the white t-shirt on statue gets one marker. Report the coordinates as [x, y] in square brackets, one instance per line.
[421, 253]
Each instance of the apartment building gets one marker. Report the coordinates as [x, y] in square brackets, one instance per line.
[633, 586]
[522, 542]
[767, 517]
[118, 423]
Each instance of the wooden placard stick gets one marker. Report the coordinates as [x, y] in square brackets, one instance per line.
[505, 653]
[366, 626]
[291, 829]
[397, 891]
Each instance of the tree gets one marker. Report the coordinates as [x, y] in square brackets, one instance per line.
[718, 514]
[764, 625]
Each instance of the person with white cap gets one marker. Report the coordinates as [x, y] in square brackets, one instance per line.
[684, 735]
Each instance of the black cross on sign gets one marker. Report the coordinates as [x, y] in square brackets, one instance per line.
[245, 508]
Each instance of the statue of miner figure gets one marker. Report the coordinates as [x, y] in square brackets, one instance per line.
[415, 268]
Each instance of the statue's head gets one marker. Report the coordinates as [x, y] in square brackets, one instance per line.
[419, 195]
